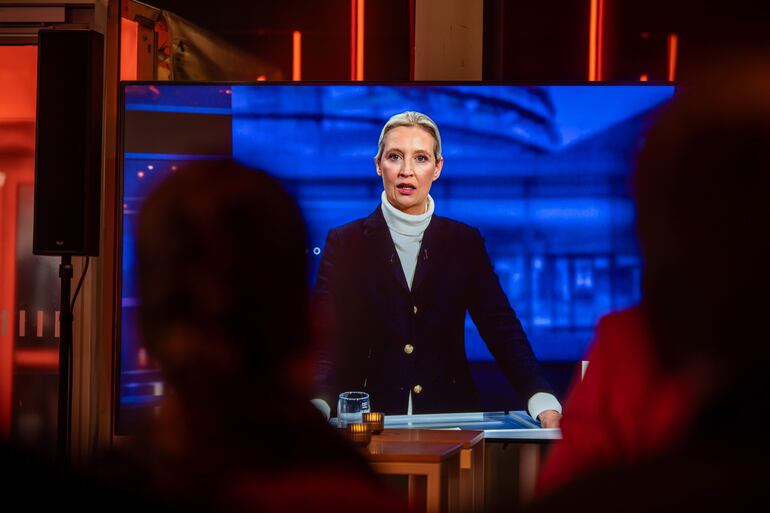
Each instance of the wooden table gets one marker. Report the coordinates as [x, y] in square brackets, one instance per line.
[515, 430]
[471, 479]
[434, 464]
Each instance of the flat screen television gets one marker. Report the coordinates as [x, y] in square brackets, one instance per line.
[542, 170]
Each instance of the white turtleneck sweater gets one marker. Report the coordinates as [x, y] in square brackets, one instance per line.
[407, 231]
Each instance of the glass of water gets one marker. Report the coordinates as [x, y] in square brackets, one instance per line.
[351, 407]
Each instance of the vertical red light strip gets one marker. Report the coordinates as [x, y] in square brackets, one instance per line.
[360, 41]
[673, 43]
[296, 65]
[411, 39]
[353, 37]
[600, 43]
[596, 41]
[592, 39]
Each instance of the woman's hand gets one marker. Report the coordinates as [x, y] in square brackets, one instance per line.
[549, 418]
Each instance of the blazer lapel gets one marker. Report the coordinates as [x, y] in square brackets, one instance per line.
[428, 253]
[376, 229]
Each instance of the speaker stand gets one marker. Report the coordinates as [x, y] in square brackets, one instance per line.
[65, 356]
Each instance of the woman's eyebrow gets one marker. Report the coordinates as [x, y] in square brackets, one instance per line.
[399, 150]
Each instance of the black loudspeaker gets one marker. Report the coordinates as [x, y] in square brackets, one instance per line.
[68, 147]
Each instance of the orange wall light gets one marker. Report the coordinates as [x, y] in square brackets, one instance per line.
[356, 39]
[673, 43]
[595, 41]
[296, 63]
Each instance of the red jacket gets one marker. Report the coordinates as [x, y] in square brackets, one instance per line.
[624, 409]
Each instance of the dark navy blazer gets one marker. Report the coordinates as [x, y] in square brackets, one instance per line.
[372, 317]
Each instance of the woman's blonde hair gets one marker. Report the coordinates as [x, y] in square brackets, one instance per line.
[411, 118]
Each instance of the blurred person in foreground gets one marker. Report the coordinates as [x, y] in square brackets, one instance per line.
[626, 406]
[703, 193]
[222, 267]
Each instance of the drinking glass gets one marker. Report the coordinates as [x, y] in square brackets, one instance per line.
[351, 407]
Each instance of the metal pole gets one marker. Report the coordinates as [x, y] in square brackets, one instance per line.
[65, 355]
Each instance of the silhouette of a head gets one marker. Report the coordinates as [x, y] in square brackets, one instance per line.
[703, 191]
[222, 267]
